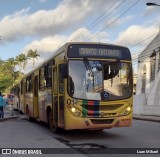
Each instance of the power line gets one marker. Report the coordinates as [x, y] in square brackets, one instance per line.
[152, 46]
[114, 20]
[94, 21]
[144, 56]
[93, 24]
[143, 40]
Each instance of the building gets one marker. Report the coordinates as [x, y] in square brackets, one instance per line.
[147, 98]
[134, 83]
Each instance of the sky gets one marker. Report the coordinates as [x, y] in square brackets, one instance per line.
[45, 25]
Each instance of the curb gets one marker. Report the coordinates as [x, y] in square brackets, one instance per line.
[8, 118]
[151, 119]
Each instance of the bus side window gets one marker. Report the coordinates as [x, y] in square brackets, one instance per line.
[61, 84]
[29, 84]
[55, 88]
[22, 87]
[48, 75]
[42, 81]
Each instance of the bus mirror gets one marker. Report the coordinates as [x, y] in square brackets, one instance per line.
[116, 66]
[71, 86]
[64, 70]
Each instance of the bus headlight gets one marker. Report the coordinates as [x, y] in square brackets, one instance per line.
[76, 112]
[73, 109]
[126, 111]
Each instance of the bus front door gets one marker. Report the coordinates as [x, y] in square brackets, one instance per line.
[58, 98]
[35, 99]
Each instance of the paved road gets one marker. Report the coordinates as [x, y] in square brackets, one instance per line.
[143, 134]
[18, 133]
[23, 134]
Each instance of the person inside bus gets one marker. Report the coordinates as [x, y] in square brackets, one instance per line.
[1, 106]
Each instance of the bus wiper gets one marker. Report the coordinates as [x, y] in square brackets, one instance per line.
[88, 67]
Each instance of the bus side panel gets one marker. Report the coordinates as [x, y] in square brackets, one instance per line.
[45, 104]
[14, 101]
[29, 103]
[20, 104]
[42, 105]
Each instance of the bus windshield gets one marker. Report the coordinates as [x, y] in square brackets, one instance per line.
[99, 80]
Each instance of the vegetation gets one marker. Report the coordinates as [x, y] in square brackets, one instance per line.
[34, 55]
[9, 75]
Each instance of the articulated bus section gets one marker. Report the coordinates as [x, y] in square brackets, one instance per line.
[83, 86]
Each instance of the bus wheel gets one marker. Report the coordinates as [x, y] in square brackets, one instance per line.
[53, 127]
[27, 113]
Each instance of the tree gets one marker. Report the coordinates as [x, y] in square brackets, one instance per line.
[6, 75]
[34, 55]
[21, 60]
[10, 65]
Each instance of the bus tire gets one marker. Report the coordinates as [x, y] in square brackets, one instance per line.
[53, 127]
[99, 130]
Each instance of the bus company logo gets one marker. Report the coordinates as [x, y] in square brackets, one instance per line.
[102, 114]
[6, 151]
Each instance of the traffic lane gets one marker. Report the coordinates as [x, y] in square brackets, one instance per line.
[39, 136]
[142, 134]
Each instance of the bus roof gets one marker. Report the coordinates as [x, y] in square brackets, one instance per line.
[64, 48]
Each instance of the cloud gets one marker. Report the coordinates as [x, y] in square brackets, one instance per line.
[47, 46]
[43, 1]
[150, 10]
[22, 12]
[83, 34]
[68, 15]
[115, 23]
[134, 34]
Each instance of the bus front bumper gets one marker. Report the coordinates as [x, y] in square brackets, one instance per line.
[73, 122]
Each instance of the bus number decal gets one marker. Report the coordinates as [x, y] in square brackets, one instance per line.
[68, 101]
[74, 101]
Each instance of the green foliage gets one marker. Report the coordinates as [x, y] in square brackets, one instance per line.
[5, 82]
[33, 54]
[8, 73]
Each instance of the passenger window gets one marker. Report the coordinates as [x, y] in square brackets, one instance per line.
[55, 81]
[42, 81]
[61, 84]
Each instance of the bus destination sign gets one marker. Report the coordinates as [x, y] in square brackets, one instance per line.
[98, 51]
[85, 52]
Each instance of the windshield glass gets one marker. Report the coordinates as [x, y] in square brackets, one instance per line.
[99, 80]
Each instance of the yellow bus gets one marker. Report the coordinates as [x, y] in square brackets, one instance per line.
[84, 85]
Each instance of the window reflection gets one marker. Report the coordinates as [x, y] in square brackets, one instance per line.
[99, 80]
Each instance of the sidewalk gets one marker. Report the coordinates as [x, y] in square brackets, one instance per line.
[147, 118]
[8, 114]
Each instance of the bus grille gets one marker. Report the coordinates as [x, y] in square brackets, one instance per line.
[109, 107]
[102, 121]
[102, 107]
[95, 109]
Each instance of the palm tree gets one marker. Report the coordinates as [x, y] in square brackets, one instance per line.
[22, 60]
[34, 55]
